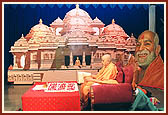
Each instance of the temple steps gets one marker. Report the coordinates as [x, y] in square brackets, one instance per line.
[37, 77]
[23, 82]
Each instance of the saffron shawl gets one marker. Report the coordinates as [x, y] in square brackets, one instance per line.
[107, 73]
[154, 74]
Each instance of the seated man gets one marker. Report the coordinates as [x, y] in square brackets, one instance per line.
[106, 75]
[149, 70]
[77, 62]
[147, 55]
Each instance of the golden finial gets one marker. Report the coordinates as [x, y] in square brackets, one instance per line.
[113, 21]
[77, 6]
[41, 21]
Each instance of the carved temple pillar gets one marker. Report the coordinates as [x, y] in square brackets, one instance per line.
[15, 66]
[71, 59]
[83, 60]
[22, 61]
[92, 58]
[42, 60]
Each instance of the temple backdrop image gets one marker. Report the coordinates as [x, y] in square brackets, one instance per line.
[44, 39]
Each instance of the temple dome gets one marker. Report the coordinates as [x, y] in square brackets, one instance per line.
[57, 22]
[21, 45]
[21, 42]
[114, 30]
[40, 30]
[77, 19]
[131, 41]
[40, 27]
[96, 21]
[77, 12]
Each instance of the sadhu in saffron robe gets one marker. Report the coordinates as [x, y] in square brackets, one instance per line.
[106, 75]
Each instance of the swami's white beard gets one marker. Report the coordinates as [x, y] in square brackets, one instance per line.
[144, 62]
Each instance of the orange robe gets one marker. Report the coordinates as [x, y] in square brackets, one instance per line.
[154, 74]
[77, 62]
[105, 74]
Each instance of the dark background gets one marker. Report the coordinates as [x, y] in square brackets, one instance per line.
[20, 18]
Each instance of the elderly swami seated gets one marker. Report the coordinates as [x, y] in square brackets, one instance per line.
[106, 75]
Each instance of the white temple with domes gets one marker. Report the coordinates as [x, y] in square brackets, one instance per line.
[77, 35]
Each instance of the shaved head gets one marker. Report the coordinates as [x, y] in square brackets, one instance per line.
[106, 59]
